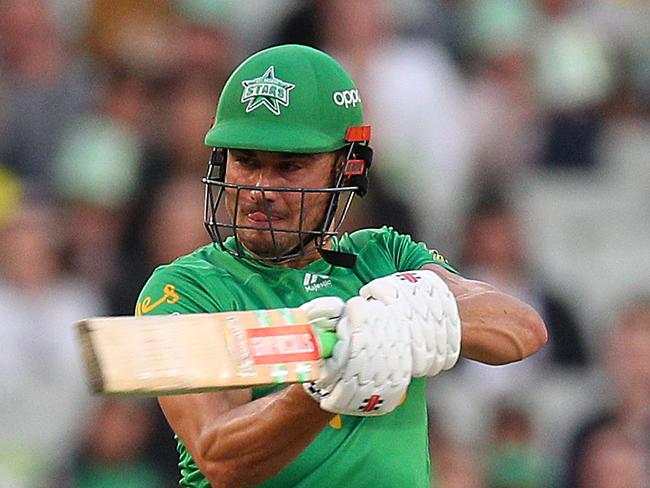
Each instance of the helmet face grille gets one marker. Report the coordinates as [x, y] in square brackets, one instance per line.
[220, 226]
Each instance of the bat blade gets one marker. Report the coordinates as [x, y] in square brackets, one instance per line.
[175, 354]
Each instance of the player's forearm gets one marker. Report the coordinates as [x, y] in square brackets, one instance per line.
[254, 441]
[496, 328]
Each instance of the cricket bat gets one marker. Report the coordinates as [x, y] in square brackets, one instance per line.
[175, 354]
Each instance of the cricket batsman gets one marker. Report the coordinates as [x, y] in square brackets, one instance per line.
[290, 151]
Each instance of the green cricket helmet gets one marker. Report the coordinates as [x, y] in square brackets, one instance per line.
[293, 99]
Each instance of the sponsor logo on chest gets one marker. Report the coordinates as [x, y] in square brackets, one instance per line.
[314, 282]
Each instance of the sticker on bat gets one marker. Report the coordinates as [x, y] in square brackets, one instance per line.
[274, 345]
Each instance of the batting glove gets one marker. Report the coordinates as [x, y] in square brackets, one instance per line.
[370, 368]
[425, 302]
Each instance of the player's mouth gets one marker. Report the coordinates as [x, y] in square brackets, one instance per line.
[261, 219]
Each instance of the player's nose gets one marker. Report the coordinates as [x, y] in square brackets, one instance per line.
[263, 197]
[265, 178]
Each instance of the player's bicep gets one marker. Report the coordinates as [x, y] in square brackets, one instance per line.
[194, 416]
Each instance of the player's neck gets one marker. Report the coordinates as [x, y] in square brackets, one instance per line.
[309, 257]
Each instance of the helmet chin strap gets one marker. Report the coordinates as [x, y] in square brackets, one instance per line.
[338, 258]
[335, 258]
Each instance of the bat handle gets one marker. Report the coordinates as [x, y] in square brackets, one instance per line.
[327, 341]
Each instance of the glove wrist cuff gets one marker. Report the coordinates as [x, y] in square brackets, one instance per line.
[316, 393]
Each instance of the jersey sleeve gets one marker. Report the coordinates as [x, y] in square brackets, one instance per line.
[410, 255]
[171, 289]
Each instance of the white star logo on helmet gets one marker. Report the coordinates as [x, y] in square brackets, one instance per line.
[267, 91]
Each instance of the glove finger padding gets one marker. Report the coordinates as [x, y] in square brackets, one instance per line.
[377, 371]
[324, 312]
[430, 309]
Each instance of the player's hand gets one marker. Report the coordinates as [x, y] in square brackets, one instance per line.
[370, 368]
[324, 312]
[430, 309]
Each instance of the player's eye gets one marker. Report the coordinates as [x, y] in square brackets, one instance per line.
[244, 162]
[290, 166]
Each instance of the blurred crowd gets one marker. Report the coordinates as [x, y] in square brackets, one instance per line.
[511, 135]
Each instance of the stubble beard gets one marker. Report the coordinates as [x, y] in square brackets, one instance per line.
[264, 243]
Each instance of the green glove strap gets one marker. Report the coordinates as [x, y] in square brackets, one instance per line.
[327, 341]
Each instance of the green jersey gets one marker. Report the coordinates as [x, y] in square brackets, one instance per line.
[385, 451]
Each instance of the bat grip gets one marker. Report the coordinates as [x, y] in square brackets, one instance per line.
[327, 341]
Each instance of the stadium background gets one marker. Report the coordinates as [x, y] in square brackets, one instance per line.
[511, 135]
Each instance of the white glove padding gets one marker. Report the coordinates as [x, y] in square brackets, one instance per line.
[370, 368]
[324, 312]
[432, 314]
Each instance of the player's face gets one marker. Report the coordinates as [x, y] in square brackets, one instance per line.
[255, 208]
